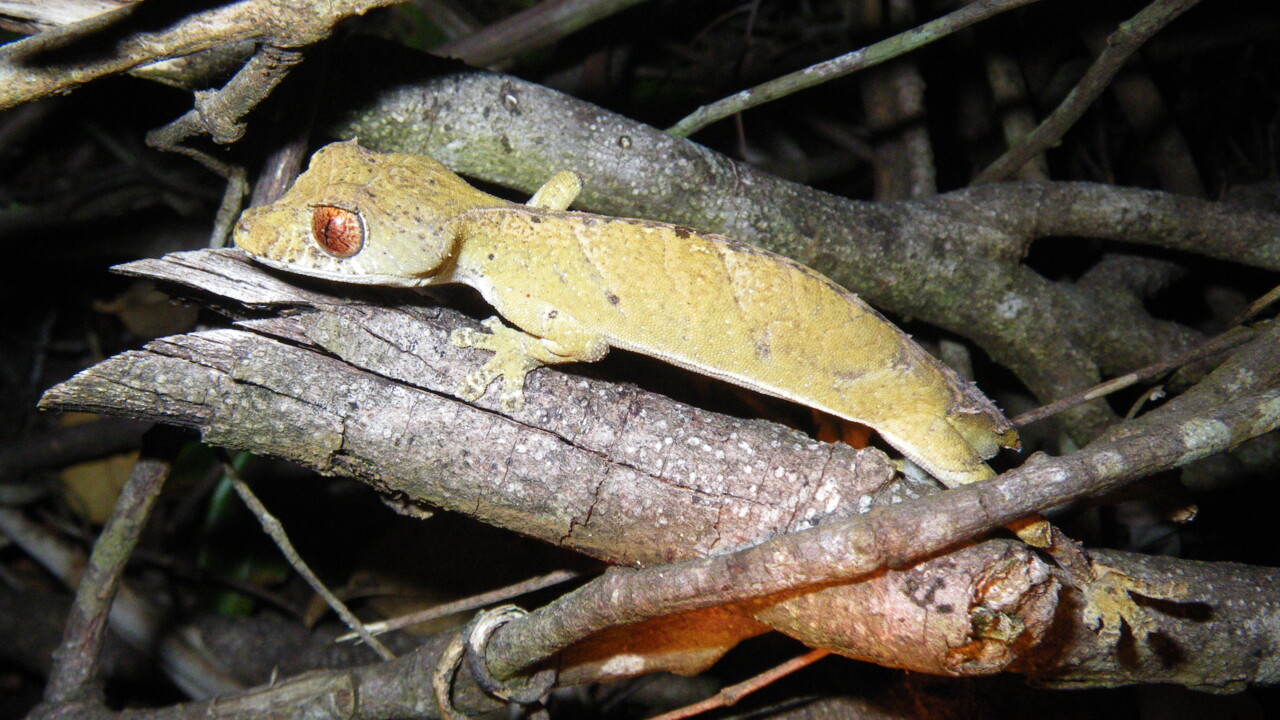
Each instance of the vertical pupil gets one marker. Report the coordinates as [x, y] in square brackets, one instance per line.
[337, 231]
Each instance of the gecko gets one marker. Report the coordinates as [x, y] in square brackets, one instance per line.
[575, 285]
[572, 285]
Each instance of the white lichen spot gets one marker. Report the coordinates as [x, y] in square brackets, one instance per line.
[1108, 463]
[833, 502]
[624, 665]
[1270, 409]
[1244, 379]
[864, 503]
[1056, 475]
[1010, 306]
[1200, 434]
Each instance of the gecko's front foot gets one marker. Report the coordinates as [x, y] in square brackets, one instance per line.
[1109, 605]
[511, 362]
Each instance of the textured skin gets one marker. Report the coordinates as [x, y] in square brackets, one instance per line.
[577, 284]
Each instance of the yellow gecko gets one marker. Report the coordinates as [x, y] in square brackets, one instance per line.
[577, 284]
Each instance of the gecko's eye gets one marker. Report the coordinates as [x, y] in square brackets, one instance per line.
[337, 231]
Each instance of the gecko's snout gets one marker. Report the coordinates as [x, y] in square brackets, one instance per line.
[252, 237]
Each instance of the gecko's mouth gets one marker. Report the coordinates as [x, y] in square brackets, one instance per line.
[355, 278]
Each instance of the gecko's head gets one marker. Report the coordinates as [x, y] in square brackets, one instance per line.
[358, 216]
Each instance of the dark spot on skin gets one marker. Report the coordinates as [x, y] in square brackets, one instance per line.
[849, 377]
[762, 348]
[536, 219]
[613, 299]
[944, 609]
[552, 315]
[490, 256]
[682, 232]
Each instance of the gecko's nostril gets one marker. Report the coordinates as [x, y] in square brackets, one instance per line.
[255, 238]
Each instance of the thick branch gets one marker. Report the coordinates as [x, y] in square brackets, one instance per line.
[1079, 209]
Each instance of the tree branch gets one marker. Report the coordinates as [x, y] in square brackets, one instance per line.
[75, 675]
[60, 60]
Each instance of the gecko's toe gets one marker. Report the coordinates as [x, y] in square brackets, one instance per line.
[474, 385]
[465, 337]
[1109, 606]
[510, 401]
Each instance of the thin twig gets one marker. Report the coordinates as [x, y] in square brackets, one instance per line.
[888, 49]
[273, 528]
[75, 673]
[219, 113]
[470, 603]
[1123, 43]
[536, 27]
[1257, 306]
[731, 695]
[1212, 346]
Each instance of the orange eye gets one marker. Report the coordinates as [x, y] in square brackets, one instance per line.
[338, 232]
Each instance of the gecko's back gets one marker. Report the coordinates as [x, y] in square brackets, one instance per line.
[735, 312]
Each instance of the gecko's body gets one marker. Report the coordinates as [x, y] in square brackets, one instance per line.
[577, 284]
